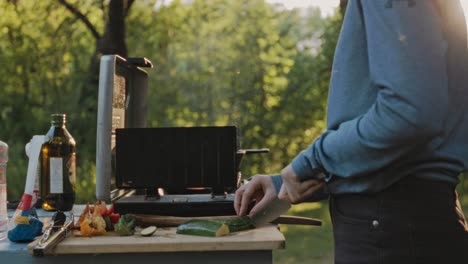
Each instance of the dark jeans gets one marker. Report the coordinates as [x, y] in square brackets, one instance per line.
[413, 221]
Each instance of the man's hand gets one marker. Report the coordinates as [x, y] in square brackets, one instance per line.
[293, 189]
[260, 188]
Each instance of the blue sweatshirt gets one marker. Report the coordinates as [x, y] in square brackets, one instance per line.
[398, 98]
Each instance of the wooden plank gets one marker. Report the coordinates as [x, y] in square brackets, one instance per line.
[166, 240]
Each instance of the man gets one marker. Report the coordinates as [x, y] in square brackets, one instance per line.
[396, 138]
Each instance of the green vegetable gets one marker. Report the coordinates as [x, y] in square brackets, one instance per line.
[148, 231]
[203, 228]
[108, 223]
[238, 223]
[125, 226]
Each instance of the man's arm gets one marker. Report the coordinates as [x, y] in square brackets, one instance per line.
[407, 62]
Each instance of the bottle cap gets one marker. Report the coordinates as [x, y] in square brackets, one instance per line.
[58, 119]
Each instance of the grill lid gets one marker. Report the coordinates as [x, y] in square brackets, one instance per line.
[177, 159]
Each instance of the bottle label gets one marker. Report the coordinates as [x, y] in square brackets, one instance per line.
[71, 165]
[56, 175]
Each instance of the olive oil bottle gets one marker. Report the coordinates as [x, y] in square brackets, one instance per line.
[58, 167]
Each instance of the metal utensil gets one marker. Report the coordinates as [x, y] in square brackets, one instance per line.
[55, 232]
[271, 212]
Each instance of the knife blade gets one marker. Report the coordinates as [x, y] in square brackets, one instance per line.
[271, 212]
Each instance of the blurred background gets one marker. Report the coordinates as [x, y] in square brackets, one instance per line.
[263, 66]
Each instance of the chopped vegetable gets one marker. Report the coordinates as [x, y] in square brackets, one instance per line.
[84, 214]
[204, 228]
[110, 210]
[101, 207]
[114, 218]
[110, 218]
[238, 223]
[125, 226]
[93, 224]
[109, 226]
[148, 231]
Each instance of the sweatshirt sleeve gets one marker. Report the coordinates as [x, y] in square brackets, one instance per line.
[277, 182]
[407, 66]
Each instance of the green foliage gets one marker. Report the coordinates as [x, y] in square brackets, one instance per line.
[44, 53]
[225, 62]
[217, 62]
[307, 244]
[236, 63]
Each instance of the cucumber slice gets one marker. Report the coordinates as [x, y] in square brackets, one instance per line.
[239, 223]
[148, 231]
[203, 228]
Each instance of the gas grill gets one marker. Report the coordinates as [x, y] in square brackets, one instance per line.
[178, 171]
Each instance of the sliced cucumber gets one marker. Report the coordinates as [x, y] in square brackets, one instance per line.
[203, 228]
[148, 231]
[239, 223]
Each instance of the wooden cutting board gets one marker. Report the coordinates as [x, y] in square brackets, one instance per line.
[165, 239]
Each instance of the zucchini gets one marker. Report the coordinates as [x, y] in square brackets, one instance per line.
[238, 223]
[148, 231]
[210, 228]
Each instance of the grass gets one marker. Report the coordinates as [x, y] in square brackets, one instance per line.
[307, 244]
[314, 244]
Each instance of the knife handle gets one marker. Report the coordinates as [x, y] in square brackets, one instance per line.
[296, 220]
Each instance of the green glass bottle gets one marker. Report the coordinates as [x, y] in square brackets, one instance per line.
[58, 167]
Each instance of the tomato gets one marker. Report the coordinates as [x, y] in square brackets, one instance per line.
[101, 208]
[110, 210]
[114, 218]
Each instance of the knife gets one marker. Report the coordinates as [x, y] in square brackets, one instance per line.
[272, 211]
[145, 220]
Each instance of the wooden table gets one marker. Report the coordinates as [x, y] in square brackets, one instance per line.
[250, 246]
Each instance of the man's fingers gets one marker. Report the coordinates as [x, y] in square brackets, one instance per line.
[238, 199]
[247, 196]
[261, 203]
[305, 191]
[283, 193]
[302, 190]
[296, 191]
[260, 189]
[309, 184]
[312, 190]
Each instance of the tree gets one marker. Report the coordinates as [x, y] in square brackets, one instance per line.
[111, 41]
[220, 62]
[46, 50]
[39, 51]
[238, 63]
